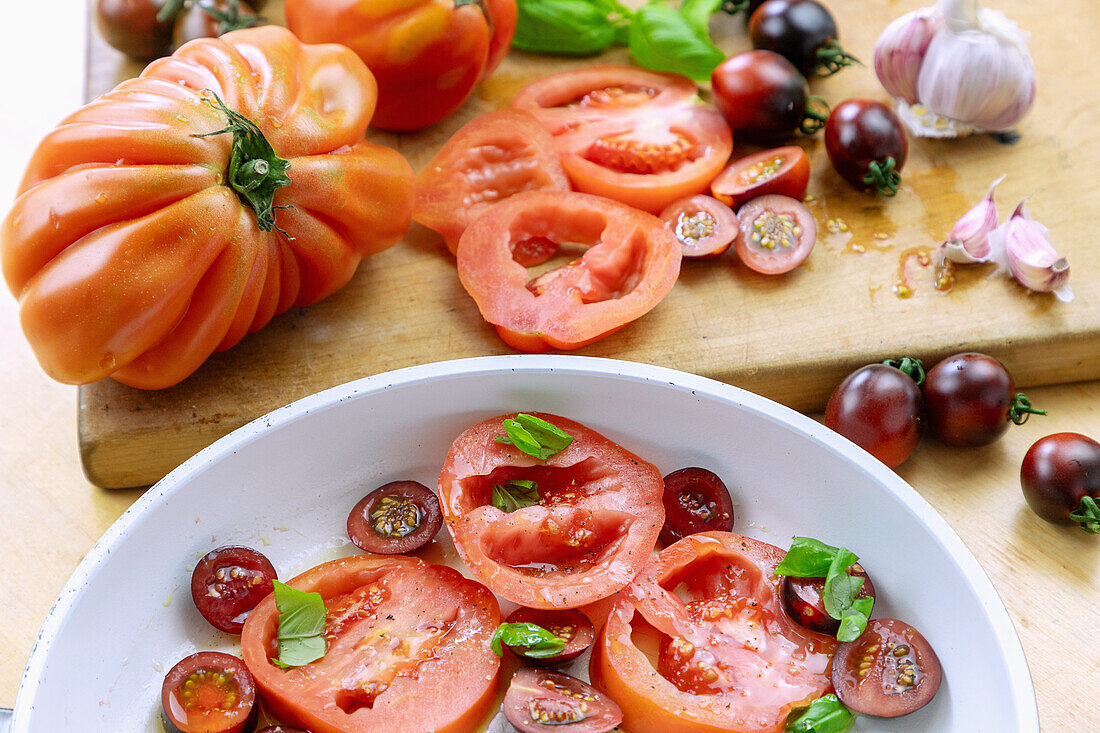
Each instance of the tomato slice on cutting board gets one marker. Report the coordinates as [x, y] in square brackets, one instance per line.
[640, 137]
[627, 261]
[407, 649]
[593, 523]
[784, 171]
[700, 643]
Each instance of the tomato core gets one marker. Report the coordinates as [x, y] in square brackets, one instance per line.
[771, 230]
[395, 516]
[630, 155]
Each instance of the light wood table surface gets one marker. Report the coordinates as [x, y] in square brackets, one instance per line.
[1048, 576]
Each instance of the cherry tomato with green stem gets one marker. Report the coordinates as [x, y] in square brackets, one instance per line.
[878, 407]
[763, 97]
[867, 145]
[1060, 476]
[802, 31]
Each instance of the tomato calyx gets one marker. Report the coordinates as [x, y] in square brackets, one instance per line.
[831, 58]
[910, 367]
[255, 171]
[230, 19]
[1021, 409]
[1087, 515]
[814, 119]
[883, 176]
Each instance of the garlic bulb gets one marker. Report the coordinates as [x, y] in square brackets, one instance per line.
[968, 242]
[956, 68]
[1023, 246]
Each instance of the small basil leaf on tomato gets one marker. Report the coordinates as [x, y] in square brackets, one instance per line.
[853, 621]
[527, 639]
[574, 27]
[663, 40]
[301, 626]
[840, 596]
[534, 436]
[826, 714]
[807, 558]
[515, 494]
[697, 13]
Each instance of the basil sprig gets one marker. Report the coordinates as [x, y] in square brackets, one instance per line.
[515, 494]
[534, 436]
[826, 714]
[529, 640]
[810, 558]
[569, 27]
[301, 626]
[664, 40]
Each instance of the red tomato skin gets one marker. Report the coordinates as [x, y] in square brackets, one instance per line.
[624, 508]
[426, 54]
[792, 178]
[632, 264]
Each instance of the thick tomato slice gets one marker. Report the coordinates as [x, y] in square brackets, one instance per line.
[784, 171]
[627, 262]
[598, 515]
[491, 158]
[408, 649]
[640, 137]
[700, 643]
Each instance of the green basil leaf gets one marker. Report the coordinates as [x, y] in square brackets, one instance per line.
[697, 13]
[807, 558]
[663, 40]
[826, 714]
[840, 588]
[529, 640]
[534, 436]
[618, 16]
[854, 620]
[515, 494]
[301, 626]
[573, 27]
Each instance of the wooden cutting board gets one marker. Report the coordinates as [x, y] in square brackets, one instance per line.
[791, 337]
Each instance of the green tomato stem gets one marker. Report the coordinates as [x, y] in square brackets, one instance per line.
[814, 119]
[912, 368]
[1087, 515]
[1021, 409]
[831, 58]
[883, 177]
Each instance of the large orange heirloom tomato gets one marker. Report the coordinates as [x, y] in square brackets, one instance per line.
[426, 54]
[184, 209]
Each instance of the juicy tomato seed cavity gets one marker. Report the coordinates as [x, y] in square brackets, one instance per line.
[771, 230]
[691, 228]
[762, 170]
[395, 516]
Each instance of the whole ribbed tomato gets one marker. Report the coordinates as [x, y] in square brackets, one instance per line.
[426, 54]
[184, 209]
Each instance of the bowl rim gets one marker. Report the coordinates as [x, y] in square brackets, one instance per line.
[1021, 686]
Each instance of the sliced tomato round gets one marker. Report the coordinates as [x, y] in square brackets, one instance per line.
[597, 515]
[407, 648]
[783, 171]
[208, 692]
[704, 226]
[640, 137]
[889, 671]
[570, 625]
[228, 582]
[489, 159]
[696, 500]
[628, 261]
[777, 234]
[395, 518]
[728, 658]
[544, 701]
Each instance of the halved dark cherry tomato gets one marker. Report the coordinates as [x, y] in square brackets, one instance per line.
[781, 171]
[395, 518]
[890, 670]
[544, 701]
[970, 399]
[570, 625]
[208, 692]
[228, 582]
[879, 408]
[763, 97]
[695, 501]
[866, 144]
[803, 31]
[1060, 474]
[777, 234]
[705, 227]
[802, 600]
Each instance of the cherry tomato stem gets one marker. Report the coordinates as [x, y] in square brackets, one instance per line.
[909, 366]
[831, 58]
[883, 176]
[1088, 515]
[814, 119]
[1021, 409]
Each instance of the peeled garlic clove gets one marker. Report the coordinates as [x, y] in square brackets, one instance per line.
[1030, 256]
[968, 241]
[900, 50]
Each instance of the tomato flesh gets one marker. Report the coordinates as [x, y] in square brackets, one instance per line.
[705, 227]
[228, 582]
[543, 701]
[570, 625]
[802, 599]
[890, 670]
[777, 234]
[696, 500]
[395, 518]
[208, 692]
[783, 171]
[879, 408]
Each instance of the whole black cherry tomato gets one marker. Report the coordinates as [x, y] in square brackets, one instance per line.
[1060, 476]
[396, 518]
[866, 144]
[228, 582]
[132, 27]
[970, 399]
[878, 407]
[802, 31]
[890, 670]
[695, 501]
[210, 19]
[544, 701]
[803, 603]
[569, 625]
[763, 97]
[208, 692]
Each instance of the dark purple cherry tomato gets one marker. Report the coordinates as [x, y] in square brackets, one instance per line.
[802, 31]
[878, 407]
[704, 226]
[866, 144]
[890, 670]
[210, 19]
[544, 701]
[132, 27]
[228, 583]
[571, 626]
[803, 603]
[763, 97]
[695, 501]
[396, 518]
[1060, 476]
[208, 692]
[777, 234]
[970, 399]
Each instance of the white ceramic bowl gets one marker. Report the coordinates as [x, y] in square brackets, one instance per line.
[285, 482]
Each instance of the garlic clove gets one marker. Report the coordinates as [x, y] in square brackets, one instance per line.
[1030, 257]
[968, 242]
[900, 50]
